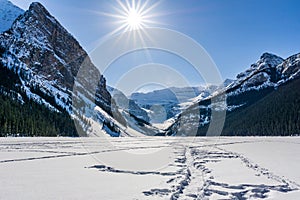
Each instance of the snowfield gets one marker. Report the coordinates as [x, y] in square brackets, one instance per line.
[150, 168]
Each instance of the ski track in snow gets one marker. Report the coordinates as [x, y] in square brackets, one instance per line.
[193, 174]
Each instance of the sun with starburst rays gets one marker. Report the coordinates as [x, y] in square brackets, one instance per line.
[131, 15]
[134, 19]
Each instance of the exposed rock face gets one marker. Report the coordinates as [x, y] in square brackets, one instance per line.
[165, 103]
[53, 68]
[268, 74]
[266, 62]
[128, 105]
[39, 41]
[290, 68]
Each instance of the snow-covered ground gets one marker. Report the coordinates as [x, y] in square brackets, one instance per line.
[150, 168]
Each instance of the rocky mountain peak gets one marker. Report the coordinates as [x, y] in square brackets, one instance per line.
[38, 8]
[45, 46]
[271, 59]
[267, 55]
[54, 70]
[266, 62]
[261, 87]
[39, 46]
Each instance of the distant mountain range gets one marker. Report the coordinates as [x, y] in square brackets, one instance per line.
[164, 104]
[50, 87]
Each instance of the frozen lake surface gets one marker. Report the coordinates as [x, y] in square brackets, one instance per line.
[150, 168]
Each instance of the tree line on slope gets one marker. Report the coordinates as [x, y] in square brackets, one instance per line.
[28, 118]
[276, 113]
[32, 119]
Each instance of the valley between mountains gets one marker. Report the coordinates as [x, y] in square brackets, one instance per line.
[66, 134]
[41, 94]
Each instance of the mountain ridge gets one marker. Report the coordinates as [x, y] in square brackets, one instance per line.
[45, 69]
[46, 59]
[264, 78]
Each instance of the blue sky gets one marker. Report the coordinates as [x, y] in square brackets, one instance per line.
[234, 32]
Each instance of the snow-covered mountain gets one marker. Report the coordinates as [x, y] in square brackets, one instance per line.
[267, 77]
[128, 105]
[8, 13]
[44, 69]
[53, 70]
[166, 103]
[136, 117]
[168, 95]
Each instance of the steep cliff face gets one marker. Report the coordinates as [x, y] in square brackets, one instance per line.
[47, 55]
[40, 42]
[54, 70]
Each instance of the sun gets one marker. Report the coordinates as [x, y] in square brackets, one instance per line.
[132, 15]
[134, 19]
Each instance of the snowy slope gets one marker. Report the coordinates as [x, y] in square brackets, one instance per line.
[56, 72]
[8, 13]
[165, 104]
[168, 95]
[266, 75]
[47, 59]
[128, 105]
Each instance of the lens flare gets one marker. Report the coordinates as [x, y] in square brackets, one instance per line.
[132, 15]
